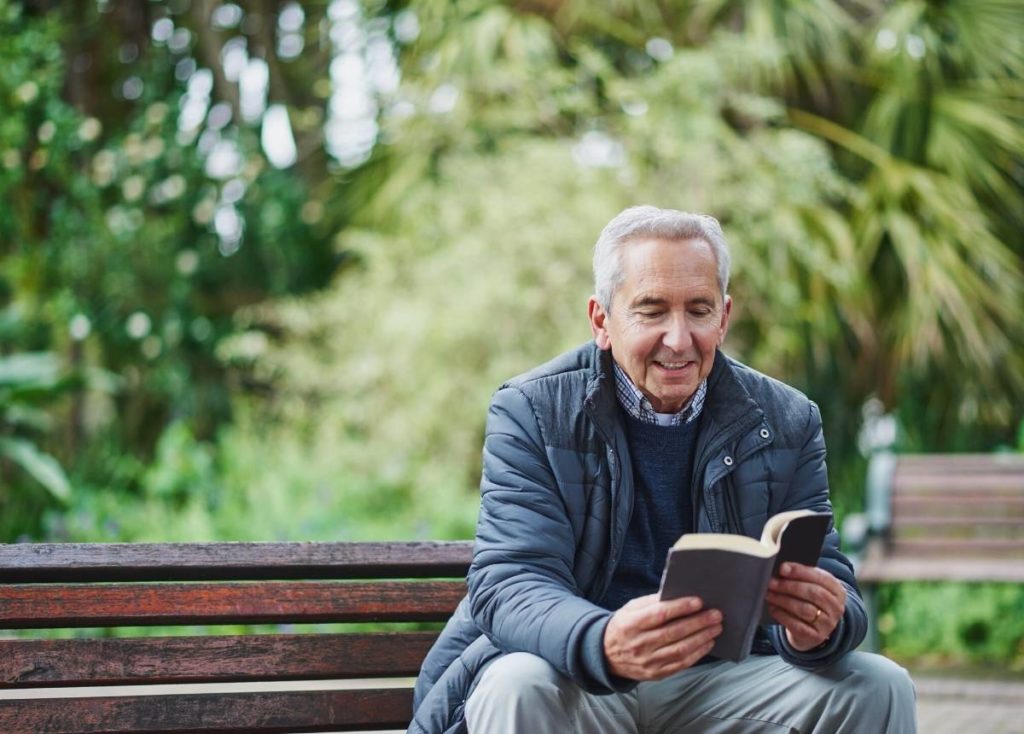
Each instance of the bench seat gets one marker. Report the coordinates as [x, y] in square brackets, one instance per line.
[935, 517]
[938, 517]
[198, 680]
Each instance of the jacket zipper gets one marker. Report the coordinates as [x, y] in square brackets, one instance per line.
[702, 468]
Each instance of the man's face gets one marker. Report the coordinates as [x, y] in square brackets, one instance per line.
[667, 318]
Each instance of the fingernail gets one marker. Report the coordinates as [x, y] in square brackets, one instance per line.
[716, 616]
[786, 568]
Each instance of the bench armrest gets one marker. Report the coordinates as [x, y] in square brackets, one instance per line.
[855, 534]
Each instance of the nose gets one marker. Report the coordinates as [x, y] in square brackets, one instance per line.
[677, 336]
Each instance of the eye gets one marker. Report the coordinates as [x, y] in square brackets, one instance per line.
[649, 313]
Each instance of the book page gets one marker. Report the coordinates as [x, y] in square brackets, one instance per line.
[725, 541]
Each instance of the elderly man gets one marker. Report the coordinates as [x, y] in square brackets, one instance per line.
[594, 464]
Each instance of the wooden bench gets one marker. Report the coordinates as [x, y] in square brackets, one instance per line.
[201, 680]
[939, 517]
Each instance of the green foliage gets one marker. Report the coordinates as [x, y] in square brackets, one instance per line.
[122, 246]
[951, 624]
[40, 466]
[470, 233]
[402, 404]
[27, 382]
[296, 490]
[181, 468]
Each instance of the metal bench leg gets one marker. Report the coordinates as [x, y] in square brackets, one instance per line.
[871, 643]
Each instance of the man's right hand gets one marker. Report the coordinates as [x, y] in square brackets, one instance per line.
[648, 639]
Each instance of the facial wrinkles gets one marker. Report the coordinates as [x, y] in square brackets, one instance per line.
[668, 319]
[698, 314]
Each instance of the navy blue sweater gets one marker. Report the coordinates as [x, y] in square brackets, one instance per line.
[662, 458]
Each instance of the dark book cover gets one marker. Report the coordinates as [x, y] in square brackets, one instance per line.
[731, 572]
[800, 542]
[734, 583]
[802, 539]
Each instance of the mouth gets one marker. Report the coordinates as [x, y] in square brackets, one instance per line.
[673, 366]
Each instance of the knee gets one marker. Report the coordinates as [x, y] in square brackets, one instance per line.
[517, 692]
[518, 675]
[877, 679]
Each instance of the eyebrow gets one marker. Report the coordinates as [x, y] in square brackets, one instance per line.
[648, 301]
[651, 300]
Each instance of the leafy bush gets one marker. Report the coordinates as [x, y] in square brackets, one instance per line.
[953, 624]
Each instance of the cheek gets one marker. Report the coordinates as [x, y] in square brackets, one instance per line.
[707, 341]
[643, 345]
[637, 339]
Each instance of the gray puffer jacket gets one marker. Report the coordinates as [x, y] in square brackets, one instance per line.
[557, 493]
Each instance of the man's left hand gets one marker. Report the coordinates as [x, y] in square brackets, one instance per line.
[807, 601]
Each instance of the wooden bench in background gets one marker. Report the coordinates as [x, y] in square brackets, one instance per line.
[939, 517]
[280, 681]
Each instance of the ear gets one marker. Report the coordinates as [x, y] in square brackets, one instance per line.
[598, 317]
[723, 327]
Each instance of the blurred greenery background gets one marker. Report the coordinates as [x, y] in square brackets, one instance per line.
[264, 263]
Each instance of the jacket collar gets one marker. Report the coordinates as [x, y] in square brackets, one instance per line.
[600, 400]
[728, 400]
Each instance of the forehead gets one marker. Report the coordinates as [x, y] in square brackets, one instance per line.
[667, 269]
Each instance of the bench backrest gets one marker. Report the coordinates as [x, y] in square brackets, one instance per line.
[95, 587]
[948, 516]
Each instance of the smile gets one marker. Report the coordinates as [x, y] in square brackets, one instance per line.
[673, 365]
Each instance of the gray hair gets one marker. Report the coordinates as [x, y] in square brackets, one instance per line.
[650, 222]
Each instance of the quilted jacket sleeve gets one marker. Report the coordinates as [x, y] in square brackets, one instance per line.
[522, 591]
[809, 489]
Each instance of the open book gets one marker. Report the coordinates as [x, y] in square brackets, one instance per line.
[731, 572]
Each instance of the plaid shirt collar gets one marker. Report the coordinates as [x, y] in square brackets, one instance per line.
[637, 405]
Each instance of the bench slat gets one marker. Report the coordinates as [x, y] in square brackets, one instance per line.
[935, 521]
[52, 562]
[940, 484]
[223, 713]
[874, 570]
[937, 547]
[976, 505]
[945, 464]
[34, 606]
[31, 663]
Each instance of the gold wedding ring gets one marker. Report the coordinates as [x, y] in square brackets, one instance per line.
[815, 620]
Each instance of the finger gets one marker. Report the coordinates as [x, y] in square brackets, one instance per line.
[801, 609]
[641, 602]
[685, 653]
[811, 592]
[645, 643]
[822, 623]
[832, 596]
[807, 608]
[672, 666]
[797, 627]
[812, 575]
[643, 664]
[671, 635]
[658, 614]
